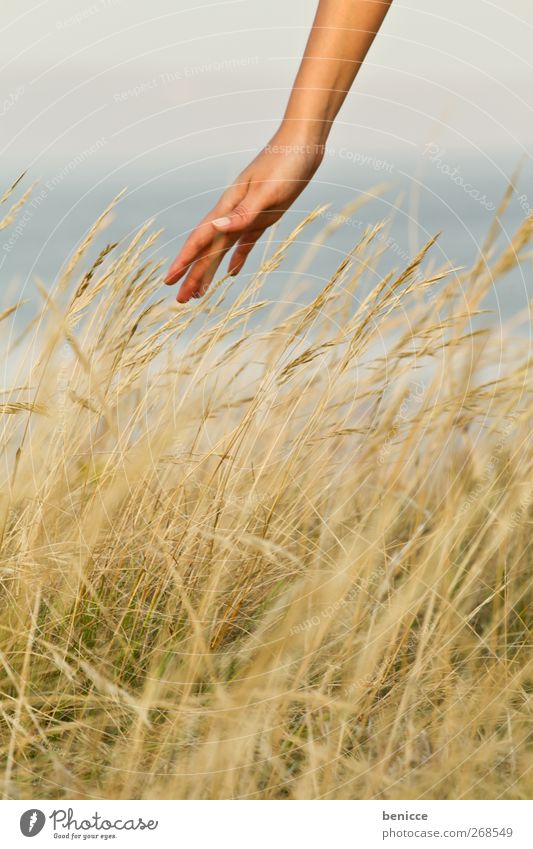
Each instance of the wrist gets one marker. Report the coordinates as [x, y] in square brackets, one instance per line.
[311, 136]
[313, 130]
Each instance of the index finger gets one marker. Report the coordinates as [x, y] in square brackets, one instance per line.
[200, 238]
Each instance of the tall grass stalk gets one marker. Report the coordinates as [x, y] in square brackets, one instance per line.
[256, 552]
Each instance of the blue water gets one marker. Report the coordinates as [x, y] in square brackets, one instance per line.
[421, 200]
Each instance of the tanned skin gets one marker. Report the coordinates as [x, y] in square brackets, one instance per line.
[340, 38]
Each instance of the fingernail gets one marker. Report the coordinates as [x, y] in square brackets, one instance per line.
[221, 222]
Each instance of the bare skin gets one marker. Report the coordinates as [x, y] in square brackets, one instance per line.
[340, 38]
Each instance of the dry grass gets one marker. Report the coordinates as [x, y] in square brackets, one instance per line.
[286, 555]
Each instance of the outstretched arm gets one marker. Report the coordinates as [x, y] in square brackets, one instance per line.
[342, 33]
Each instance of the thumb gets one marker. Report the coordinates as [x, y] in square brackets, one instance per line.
[242, 217]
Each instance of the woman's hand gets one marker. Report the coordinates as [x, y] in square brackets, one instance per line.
[342, 33]
[258, 198]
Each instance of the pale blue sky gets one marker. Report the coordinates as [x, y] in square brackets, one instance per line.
[172, 98]
[178, 77]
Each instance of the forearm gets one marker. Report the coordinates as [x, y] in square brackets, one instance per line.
[342, 33]
[340, 38]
